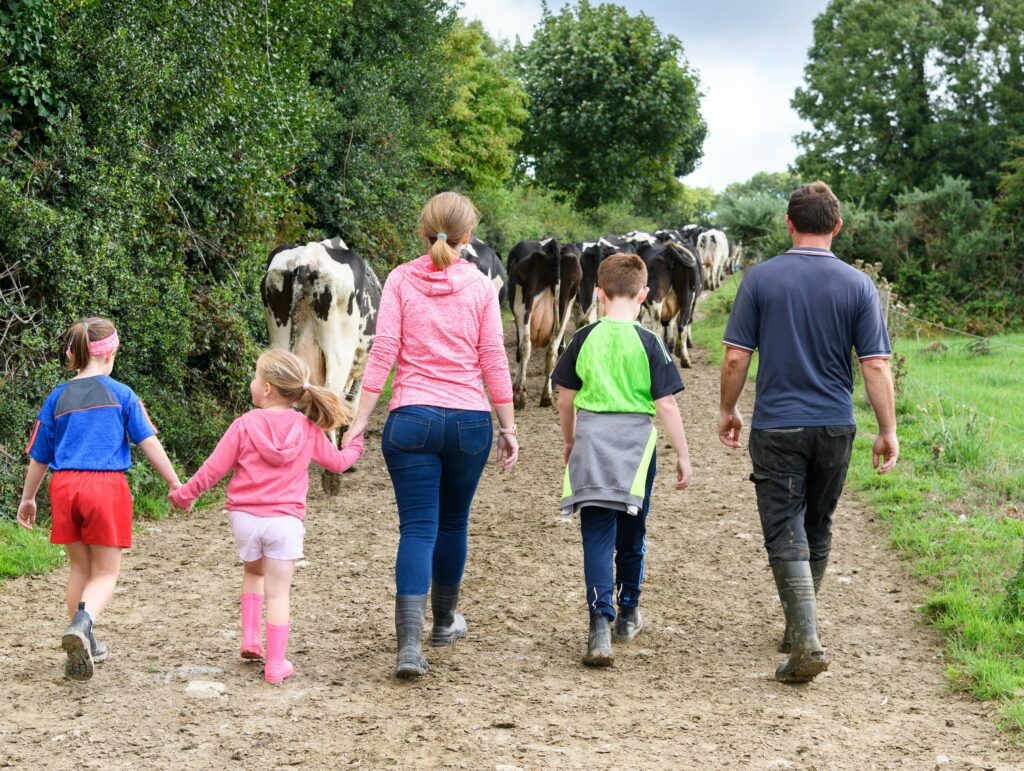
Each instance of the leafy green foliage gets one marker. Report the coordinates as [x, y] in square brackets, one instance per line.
[614, 109]
[387, 84]
[903, 92]
[482, 123]
[28, 102]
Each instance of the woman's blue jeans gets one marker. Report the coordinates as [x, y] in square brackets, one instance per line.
[435, 457]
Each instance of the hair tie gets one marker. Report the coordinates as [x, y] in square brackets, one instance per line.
[305, 386]
[443, 235]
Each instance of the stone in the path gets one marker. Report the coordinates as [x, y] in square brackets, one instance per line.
[204, 689]
[189, 671]
[778, 764]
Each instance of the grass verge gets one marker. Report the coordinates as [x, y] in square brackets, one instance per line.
[24, 552]
[954, 505]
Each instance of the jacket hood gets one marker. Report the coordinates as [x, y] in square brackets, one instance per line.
[430, 281]
[279, 437]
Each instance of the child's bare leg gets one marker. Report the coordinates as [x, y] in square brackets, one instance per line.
[105, 564]
[278, 588]
[252, 577]
[78, 577]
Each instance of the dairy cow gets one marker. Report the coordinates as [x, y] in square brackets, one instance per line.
[321, 301]
[593, 253]
[544, 278]
[489, 263]
[674, 283]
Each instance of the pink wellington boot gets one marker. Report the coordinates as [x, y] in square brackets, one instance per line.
[277, 667]
[252, 623]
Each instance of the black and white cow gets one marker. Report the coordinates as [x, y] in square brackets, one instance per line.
[593, 253]
[674, 280]
[544, 278]
[489, 263]
[321, 302]
[713, 247]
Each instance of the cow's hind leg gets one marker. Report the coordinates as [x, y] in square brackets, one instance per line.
[523, 349]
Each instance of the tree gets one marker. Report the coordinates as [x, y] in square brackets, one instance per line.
[765, 184]
[479, 128]
[901, 93]
[614, 107]
[387, 81]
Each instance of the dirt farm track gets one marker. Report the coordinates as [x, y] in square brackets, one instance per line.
[693, 691]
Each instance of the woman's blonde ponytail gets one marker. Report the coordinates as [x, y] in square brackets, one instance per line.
[448, 218]
[290, 376]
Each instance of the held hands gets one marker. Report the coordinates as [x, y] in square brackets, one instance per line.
[730, 425]
[174, 486]
[27, 514]
[354, 431]
[886, 450]
[508, 451]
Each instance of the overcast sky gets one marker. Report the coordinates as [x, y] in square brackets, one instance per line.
[750, 56]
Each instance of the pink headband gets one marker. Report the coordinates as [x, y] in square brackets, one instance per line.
[106, 345]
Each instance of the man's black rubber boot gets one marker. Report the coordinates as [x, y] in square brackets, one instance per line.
[449, 626]
[98, 649]
[76, 643]
[818, 574]
[409, 613]
[627, 624]
[599, 642]
[796, 590]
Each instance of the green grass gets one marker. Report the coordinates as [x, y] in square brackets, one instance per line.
[25, 552]
[954, 505]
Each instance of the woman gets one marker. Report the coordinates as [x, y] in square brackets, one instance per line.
[439, 320]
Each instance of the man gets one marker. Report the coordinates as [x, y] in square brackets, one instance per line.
[804, 311]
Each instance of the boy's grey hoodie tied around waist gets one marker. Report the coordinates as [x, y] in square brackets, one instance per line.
[609, 461]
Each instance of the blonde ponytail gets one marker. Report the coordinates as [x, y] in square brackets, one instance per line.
[290, 376]
[448, 218]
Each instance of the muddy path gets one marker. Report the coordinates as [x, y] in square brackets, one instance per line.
[695, 690]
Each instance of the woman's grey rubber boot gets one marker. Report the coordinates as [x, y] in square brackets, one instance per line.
[449, 626]
[818, 574]
[599, 642]
[796, 590]
[409, 613]
[76, 642]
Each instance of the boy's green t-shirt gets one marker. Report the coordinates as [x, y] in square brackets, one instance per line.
[617, 366]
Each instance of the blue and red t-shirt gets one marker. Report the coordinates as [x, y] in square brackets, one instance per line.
[804, 311]
[85, 424]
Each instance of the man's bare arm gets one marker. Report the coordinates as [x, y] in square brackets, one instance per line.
[734, 376]
[879, 387]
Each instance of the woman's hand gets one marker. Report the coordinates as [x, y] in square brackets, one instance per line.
[354, 432]
[508, 451]
[27, 514]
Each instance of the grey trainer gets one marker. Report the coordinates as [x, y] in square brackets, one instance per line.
[627, 625]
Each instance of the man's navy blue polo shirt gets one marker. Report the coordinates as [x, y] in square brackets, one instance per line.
[804, 311]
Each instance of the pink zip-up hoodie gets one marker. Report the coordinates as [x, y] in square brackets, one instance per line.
[442, 328]
[269, 451]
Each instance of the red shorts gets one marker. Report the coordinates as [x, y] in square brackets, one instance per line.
[94, 507]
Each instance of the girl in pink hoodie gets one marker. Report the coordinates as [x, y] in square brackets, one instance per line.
[269, 449]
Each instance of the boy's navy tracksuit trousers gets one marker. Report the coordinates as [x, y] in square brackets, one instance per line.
[611, 536]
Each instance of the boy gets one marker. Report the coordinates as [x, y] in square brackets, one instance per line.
[616, 374]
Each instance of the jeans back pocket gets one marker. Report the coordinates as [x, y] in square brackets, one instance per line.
[406, 432]
[475, 436]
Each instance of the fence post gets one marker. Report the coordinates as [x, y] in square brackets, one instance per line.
[884, 294]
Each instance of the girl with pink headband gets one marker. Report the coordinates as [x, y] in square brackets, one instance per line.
[82, 434]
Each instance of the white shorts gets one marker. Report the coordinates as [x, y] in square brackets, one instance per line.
[279, 538]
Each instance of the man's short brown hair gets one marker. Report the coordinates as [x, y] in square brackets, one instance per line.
[814, 209]
[622, 275]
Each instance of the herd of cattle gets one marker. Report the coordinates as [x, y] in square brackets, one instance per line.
[321, 298]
